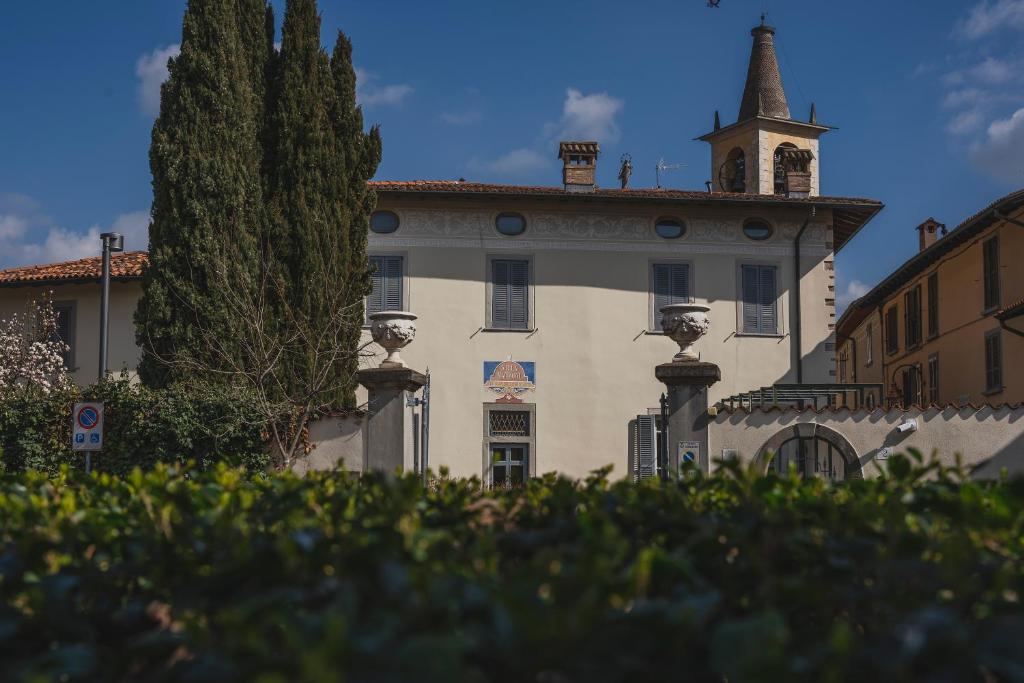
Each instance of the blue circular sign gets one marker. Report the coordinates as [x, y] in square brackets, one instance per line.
[689, 456]
[88, 417]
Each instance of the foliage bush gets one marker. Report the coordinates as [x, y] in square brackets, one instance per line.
[141, 428]
[175, 575]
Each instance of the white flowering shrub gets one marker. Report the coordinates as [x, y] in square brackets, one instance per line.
[32, 356]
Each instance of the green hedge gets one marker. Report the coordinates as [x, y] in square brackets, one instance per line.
[216, 576]
[141, 428]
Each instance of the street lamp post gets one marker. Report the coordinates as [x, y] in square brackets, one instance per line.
[112, 241]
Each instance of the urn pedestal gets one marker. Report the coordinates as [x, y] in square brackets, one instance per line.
[389, 439]
[686, 381]
[393, 331]
[685, 324]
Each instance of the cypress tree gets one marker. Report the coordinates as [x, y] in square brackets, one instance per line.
[362, 154]
[320, 160]
[206, 158]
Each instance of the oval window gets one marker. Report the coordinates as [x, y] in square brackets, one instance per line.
[670, 228]
[510, 224]
[383, 222]
[757, 230]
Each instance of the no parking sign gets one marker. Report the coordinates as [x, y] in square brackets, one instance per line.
[688, 453]
[87, 427]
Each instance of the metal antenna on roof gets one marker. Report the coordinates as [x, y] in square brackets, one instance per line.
[662, 165]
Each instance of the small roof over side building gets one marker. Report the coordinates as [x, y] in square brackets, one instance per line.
[124, 266]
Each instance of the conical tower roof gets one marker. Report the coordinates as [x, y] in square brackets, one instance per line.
[763, 94]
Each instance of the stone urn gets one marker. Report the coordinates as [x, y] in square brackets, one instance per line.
[393, 330]
[685, 324]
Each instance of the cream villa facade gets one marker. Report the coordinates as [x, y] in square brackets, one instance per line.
[538, 306]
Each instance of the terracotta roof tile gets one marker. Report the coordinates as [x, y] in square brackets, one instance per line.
[465, 187]
[1011, 311]
[849, 215]
[123, 266]
[975, 407]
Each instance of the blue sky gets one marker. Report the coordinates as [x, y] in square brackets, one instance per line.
[928, 99]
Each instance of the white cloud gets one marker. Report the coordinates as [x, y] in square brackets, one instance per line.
[988, 17]
[967, 97]
[990, 71]
[590, 117]
[151, 70]
[1001, 152]
[28, 236]
[369, 94]
[923, 69]
[12, 227]
[462, 118]
[518, 163]
[855, 289]
[584, 117]
[965, 122]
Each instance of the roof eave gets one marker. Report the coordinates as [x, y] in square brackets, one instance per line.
[962, 232]
[52, 282]
[877, 208]
[707, 137]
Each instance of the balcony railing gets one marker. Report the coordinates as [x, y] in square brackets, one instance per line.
[809, 395]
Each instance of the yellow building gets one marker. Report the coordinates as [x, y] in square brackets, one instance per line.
[948, 325]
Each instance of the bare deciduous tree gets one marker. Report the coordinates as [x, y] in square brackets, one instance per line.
[256, 350]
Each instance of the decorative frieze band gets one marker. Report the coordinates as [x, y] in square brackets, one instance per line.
[593, 232]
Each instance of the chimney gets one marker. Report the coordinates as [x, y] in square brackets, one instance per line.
[579, 165]
[928, 233]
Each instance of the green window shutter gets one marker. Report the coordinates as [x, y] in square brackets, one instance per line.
[759, 295]
[645, 449]
[671, 282]
[510, 294]
[500, 315]
[750, 291]
[386, 294]
[519, 283]
[766, 277]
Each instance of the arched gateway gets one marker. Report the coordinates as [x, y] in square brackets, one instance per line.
[815, 450]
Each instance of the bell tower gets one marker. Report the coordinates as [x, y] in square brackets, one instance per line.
[766, 151]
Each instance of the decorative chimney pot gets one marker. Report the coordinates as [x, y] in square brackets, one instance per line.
[393, 331]
[685, 324]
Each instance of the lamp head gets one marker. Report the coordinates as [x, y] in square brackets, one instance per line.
[114, 241]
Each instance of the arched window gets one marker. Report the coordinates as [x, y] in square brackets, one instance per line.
[780, 167]
[732, 177]
[812, 457]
